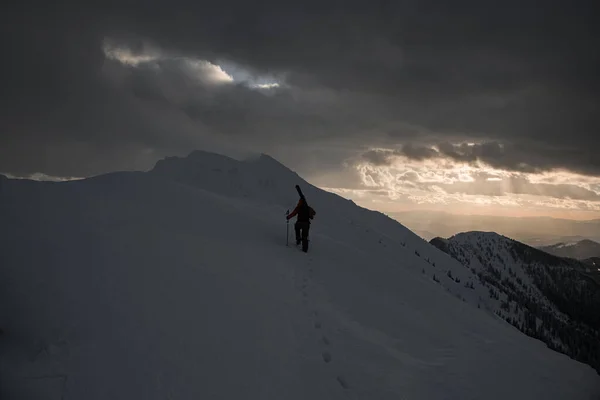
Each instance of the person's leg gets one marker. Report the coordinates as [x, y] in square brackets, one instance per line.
[305, 228]
[297, 230]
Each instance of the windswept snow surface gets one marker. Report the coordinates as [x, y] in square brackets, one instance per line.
[177, 284]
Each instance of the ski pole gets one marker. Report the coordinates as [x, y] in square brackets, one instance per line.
[287, 228]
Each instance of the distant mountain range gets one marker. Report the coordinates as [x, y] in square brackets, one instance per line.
[580, 250]
[551, 298]
[534, 231]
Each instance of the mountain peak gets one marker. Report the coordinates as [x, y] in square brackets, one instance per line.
[579, 250]
[588, 242]
[194, 159]
[518, 275]
[262, 157]
[476, 235]
[267, 161]
[259, 177]
[198, 159]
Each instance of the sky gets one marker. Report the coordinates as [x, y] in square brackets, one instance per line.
[468, 107]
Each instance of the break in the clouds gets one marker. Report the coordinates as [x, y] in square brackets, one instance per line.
[452, 185]
[92, 87]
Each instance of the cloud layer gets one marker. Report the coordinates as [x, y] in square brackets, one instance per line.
[94, 87]
[448, 185]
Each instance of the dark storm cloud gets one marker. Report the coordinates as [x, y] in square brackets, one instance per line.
[417, 152]
[378, 157]
[513, 157]
[383, 157]
[521, 157]
[357, 74]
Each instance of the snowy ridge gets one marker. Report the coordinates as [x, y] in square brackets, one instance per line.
[561, 245]
[580, 250]
[544, 296]
[258, 179]
[177, 283]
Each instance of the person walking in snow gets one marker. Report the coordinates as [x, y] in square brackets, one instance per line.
[305, 213]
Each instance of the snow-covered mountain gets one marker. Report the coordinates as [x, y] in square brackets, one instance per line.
[534, 231]
[177, 283]
[551, 298]
[579, 250]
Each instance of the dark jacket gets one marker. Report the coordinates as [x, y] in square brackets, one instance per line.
[304, 211]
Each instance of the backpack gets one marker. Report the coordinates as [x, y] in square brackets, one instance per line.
[306, 212]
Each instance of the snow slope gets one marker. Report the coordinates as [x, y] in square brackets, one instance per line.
[177, 284]
[547, 297]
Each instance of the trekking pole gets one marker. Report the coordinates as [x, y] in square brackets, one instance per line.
[287, 228]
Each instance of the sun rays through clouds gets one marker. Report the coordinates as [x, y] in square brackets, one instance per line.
[396, 182]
